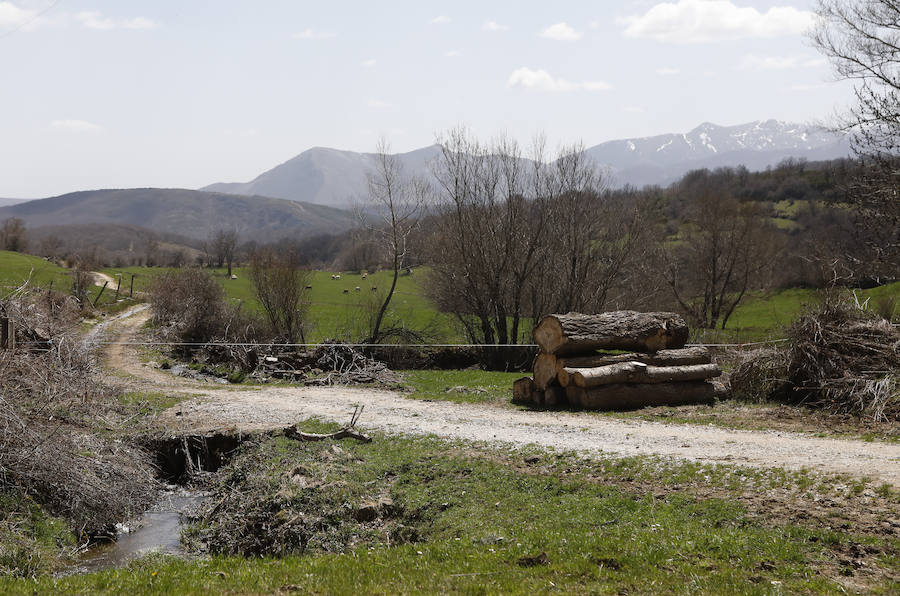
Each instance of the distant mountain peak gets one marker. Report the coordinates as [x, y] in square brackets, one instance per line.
[335, 177]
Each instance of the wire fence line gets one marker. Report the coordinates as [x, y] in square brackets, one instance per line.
[369, 345]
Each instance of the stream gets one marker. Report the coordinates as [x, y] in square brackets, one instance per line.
[157, 530]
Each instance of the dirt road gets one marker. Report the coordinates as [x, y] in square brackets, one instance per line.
[212, 407]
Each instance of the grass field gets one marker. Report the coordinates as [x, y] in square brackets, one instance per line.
[336, 314]
[465, 518]
[16, 268]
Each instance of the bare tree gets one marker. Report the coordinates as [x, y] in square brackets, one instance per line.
[13, 235]
[395, 204]
[223, 244]
[862, 40]
[725, 249]
[280, 286]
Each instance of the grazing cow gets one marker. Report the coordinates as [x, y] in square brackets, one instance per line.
[308, 287]
[365, 275]
[357, 288]
[374, 289]
[332, 276]
[337, 276]
[346, 291]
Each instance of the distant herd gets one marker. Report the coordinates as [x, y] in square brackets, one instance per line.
[347, 290]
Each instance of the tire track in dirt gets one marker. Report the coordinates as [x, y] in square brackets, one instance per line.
[246, 409]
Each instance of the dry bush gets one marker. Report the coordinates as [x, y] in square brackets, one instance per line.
[758, 374]
[188, 306]
[51, 403]
[280, 285]
[839, 358]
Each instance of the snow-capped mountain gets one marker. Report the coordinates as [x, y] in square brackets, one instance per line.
[663, 159]
[338, 178]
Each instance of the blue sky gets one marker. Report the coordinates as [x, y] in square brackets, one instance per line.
[100, 94]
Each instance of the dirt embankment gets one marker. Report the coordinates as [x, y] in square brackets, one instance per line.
[260, 408]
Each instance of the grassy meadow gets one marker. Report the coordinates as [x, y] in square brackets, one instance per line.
[467, 518]
[336, 314]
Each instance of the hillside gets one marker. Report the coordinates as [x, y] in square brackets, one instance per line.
[189, 213]
[338, 178]
[323, 176]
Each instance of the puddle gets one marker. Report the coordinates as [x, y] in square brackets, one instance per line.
[157, 530]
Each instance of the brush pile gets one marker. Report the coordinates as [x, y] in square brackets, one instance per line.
[659, 370]
[332, 363]
[56, 418]
[839, 358]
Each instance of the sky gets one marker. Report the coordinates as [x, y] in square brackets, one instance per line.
[184, 93]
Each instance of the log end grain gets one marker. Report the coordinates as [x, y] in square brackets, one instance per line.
[523, 390]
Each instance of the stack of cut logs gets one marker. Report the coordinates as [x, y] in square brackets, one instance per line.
[659, 370]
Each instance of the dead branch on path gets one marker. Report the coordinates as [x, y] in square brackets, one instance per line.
[347, 432]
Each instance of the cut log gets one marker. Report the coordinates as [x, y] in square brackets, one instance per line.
[554, 396]
[638, 372]
[545, 370]
[630, 397]
[523, 390]
[575, 333]
[680, 357]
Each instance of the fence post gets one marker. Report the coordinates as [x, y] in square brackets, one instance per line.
[131, 290]
[118, 284]
[7, 334]
[97, 299]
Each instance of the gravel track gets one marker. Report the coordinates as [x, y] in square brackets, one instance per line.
[247, 409]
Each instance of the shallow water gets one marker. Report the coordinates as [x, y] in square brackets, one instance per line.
[157, 530]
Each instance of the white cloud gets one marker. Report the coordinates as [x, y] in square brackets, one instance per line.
[561, 32]
[440, 20]
[139, 23]
[369, 63]
[309, 33]
[494, 26]
[13, 16]
[753, 62]
[75, 126]
[667, 71]
[698, 21]
[96, 20]
[453, 54]
[594, 25]
[596, 85]
[541, 80]
[377, 103]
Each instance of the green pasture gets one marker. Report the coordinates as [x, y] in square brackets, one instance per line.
[17, 268]
[336, 314]
[337, 309]
[466, 519]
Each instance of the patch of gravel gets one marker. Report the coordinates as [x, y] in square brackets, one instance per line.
[266, 408]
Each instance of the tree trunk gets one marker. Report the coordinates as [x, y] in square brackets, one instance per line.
[523, 390]
[629, 397]
[637, 372]
[575, 333]
[545, 370]
[681, 357]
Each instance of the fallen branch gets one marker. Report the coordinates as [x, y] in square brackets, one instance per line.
[348, 432]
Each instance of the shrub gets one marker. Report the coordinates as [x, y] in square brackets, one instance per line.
[189, 305]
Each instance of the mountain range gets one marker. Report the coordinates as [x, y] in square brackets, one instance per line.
[189, 213]
[309, 193]
[338, 178]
